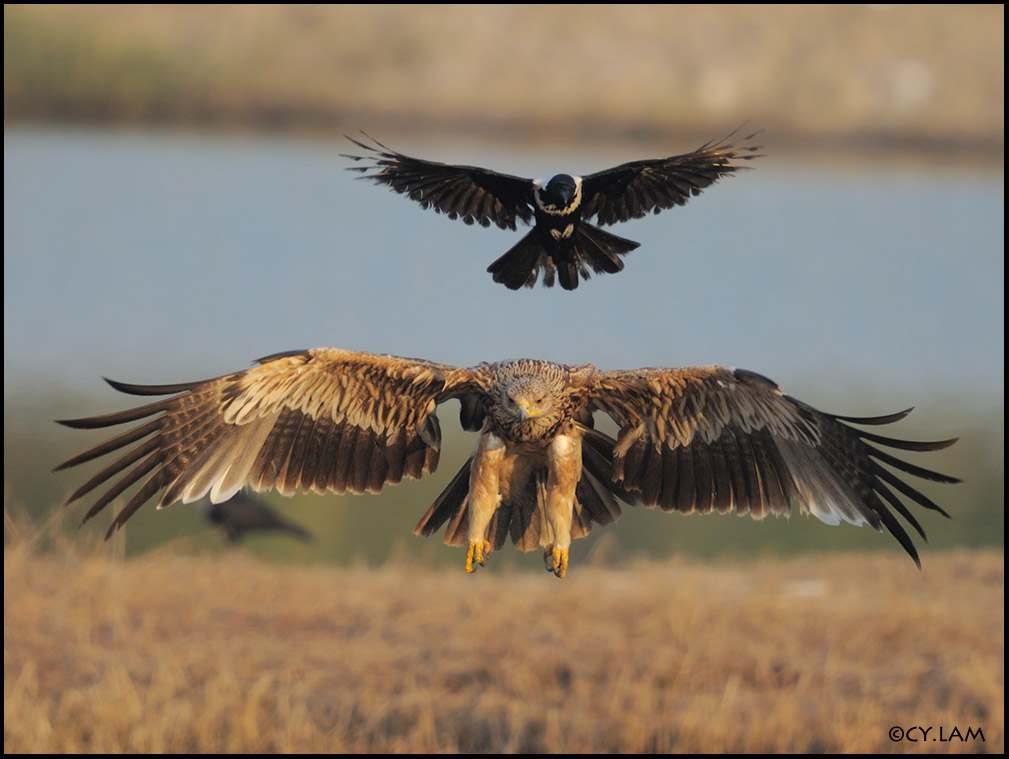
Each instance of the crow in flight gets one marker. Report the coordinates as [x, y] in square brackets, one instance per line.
[562, 243]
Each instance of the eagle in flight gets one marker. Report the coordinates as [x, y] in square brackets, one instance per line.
[562, 243]
[328, 420]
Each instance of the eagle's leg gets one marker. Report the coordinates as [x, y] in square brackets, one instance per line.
[484, 496]
[564, 469]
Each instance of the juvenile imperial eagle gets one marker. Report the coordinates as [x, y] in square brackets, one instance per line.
[328, 420]
[562, 242]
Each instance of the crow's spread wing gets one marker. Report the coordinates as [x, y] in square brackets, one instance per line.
[461, 192]
[633, 190]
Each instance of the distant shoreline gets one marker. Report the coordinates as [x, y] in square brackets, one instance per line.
[918, 81]
[978, 154]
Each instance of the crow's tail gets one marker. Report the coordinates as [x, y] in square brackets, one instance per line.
[588, 249]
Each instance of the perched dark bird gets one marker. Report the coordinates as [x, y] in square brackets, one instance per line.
[327, 420]
[242, 514]
[562, 242]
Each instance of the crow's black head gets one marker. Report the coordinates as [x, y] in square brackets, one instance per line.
[560, 195]
[560, 191]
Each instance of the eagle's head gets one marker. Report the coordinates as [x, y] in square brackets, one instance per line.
[533, 401]
[529, 399]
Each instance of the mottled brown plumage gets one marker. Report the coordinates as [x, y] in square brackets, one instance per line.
[328, 420]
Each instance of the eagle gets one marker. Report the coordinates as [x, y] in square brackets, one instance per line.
[242, 514]
[326, 420]
[563, 244]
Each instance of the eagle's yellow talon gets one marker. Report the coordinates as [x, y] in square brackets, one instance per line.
[556, 560]
[477, 554]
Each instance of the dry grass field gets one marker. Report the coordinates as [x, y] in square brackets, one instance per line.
[229, 654]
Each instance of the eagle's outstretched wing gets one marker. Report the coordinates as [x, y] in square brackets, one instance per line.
[633, 190]
[714, 438]
[462, 192]
[324, 420]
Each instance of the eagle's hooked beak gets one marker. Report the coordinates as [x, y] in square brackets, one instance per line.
[524, 412]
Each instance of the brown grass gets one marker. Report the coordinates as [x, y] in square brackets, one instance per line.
[228, 654]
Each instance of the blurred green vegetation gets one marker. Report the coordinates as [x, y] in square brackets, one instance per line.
[920, 76]
[59, 70]
[372, 529]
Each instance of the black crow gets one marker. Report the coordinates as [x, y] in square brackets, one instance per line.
[562, 242]
[242, 513]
